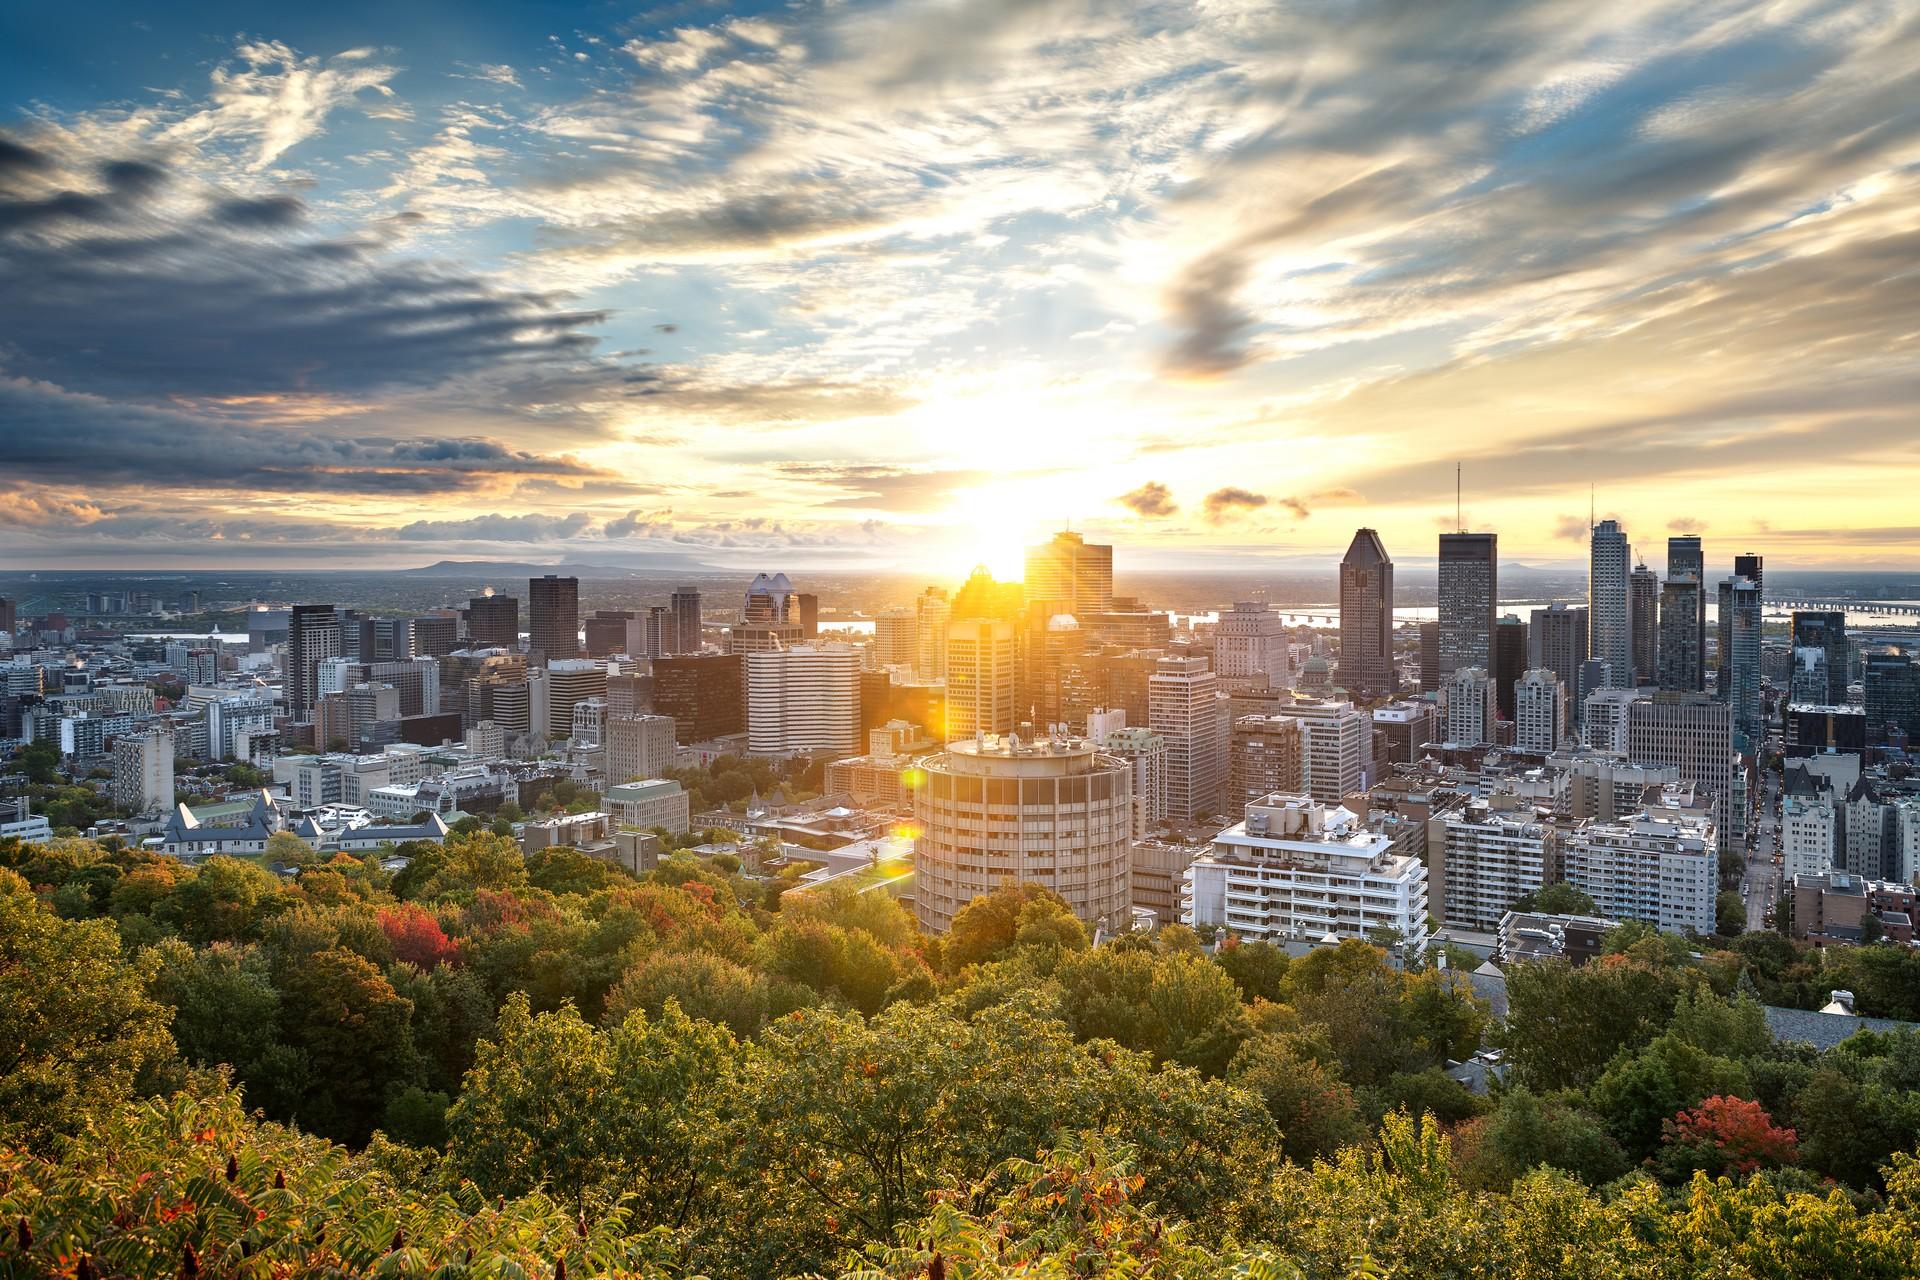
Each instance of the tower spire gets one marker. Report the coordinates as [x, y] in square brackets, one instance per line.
[1459, 522]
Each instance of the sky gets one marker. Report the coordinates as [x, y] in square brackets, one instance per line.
[908, 285]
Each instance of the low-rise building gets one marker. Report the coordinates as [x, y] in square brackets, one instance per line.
[645, 805]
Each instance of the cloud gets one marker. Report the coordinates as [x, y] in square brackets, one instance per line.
[1572, 529]
[44, 509]
[533, 527]
[492, 72]
[1686, 524]
[640, 524]
[1152, 500]
[278, 99]
[882, 488]
[1222, 503]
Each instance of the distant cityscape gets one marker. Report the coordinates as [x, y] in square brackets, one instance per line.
[1682, 747]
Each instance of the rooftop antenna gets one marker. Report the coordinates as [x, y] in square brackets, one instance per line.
[1459, 522]
[1592, 509]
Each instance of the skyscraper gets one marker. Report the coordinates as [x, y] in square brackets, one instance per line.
[1540, 711]
[685, 637]
[1366, 618]
[1643, 614]
[1072, 571]
[1558, 641]
[806, 698]
[1739, 683]
[313, 636]
[1685, 556]
[1751, 565]
[553, 618]
[933, 611]
[493, 622]
[1681, 648]
[1509, 661]
[1607, 607]
[1251, 641]
[1828, 633]
[1469, 585]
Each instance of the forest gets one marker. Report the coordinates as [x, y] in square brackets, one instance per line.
[490, 1064]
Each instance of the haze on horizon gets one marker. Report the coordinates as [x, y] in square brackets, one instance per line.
[905, 285]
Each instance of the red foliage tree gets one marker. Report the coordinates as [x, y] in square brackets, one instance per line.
[416, 936]
[1726, 1135]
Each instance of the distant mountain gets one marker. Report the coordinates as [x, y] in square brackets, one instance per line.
[652, 563]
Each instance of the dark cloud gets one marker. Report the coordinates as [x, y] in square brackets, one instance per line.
[1151, 500]
[114, 291]
[497, 528]
[60, 438]
[1224, 502]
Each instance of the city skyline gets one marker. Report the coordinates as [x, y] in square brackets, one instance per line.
[868, 286]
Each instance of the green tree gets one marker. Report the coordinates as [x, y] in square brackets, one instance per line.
[703, 985]
[77, 1027]
[1526, 1131]
[356, 1034]
[1564, 1024]
[987, 926]
[1303, 1092]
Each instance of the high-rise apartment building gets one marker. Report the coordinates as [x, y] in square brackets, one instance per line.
[1890, 682]
[1069, 570]
[1183, 707]
[1366, 618]
[1739, 679]
[493, 622]
[1540, 711]
[638, 747]
[1557, 640]
[1682, 650]
[553, 618]
[1469, 586]
[1336, 746]
[1692, 733]
[980, 662]
[1660, 865]
[1751, 566]
[896, 638]
[1264, 755]
[1054, 812]
[1249, 643]
[806, 698]
[934, 611]
[313, 636]
[1510, 645]
[1686, 557]
[1295, 870]
[1480, 860]
[143, 771]
[1469, 707]
[1608, 609]
[1643, 614]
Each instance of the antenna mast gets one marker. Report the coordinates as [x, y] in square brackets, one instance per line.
[1459, 521]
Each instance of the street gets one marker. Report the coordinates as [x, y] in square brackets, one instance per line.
[1761, 886]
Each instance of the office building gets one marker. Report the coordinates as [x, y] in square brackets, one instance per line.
[704, 693]
[1183, 706]
[569, 682]
[1603, 719]
[1146, 753]
[435, 635]
[1054, 812]
[981, 656]
[1250, 643]
[1429, 657]
[1264, 755]
[1406, 727]
[1294, 870]
[1469, 707]
[1481, 860]
[493, 622]
[610, 631]
[1682, 649]
[643, 806]
[1540, 711]
[1752, 567]
[1826, 632]
[1738, 684]
[1469, 583]
[1891, 687]
[143, 771]
[1071, 572]
[313, 636]
[806, 698]
[638, 746]
[1643, 612]
[1608, 609]
[1366, 618]
[1815, 730]
[553, 618]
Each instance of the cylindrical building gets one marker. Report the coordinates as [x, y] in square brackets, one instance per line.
[1053, 812]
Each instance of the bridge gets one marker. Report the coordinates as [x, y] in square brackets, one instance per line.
[1846, 606]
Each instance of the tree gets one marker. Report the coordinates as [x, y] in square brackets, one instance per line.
[416, 936]
[1526, 1131]
[626, 1117]
[703, 985]
[1305, 1095]
[1729, 914]
[1641, 1089]
[288, 848]
[355, 1031]
[1259, 969]
[987, 925]
[77, 1026]
[224, 900]
[1724, 1136]
[40, 761]
[1558, 898]
[1564, 1024]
